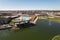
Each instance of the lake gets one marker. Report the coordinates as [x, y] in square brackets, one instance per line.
[43, 30]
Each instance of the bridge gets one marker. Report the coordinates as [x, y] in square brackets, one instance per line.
[34, 20]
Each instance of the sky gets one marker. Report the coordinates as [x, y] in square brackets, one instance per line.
[29, 4]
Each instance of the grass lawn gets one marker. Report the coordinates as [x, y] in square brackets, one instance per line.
[57, 37]
[55, 19]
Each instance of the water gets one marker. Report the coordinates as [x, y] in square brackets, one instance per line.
[41, 31]
[50, 22]
[25, 18]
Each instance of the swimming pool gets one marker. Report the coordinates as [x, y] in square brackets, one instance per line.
[22, 18]
[25, 18]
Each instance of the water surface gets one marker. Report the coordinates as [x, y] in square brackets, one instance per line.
[41, 31]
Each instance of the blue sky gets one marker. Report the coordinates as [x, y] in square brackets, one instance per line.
[29, 4]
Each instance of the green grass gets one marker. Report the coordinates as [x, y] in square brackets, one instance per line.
[52, 19]
[57, 37]
[55, 19]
